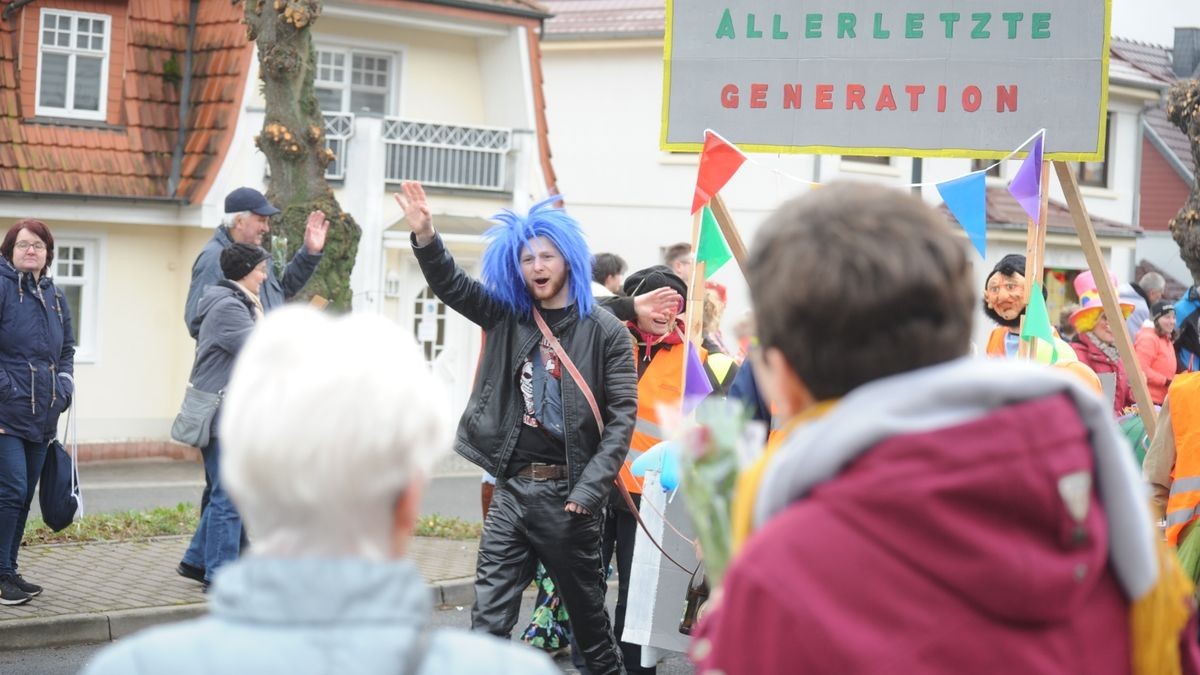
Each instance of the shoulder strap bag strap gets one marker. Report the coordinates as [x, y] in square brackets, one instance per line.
[565, 359]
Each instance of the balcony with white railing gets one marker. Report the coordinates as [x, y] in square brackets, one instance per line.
[447, 155]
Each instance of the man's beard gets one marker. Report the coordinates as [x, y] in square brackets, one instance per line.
[1014, 322]
[551, 289]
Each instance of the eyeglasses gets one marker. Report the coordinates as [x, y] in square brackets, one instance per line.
[35, 245]
[1010, 286]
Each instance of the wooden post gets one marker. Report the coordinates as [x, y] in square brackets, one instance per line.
[695, 299]
[730, 231]
[1035, 256]
[1108, 295]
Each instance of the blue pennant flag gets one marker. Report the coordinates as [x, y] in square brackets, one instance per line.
[966, 197]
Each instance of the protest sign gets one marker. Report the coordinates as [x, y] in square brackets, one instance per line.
[875, 77]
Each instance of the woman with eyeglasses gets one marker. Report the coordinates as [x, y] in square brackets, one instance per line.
[37, 362]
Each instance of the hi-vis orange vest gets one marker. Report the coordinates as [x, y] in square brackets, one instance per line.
[1183, 506]
[660, 384]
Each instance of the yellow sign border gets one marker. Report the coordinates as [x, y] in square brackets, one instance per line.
[959, 153]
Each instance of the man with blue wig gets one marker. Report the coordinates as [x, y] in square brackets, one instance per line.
[528, 422]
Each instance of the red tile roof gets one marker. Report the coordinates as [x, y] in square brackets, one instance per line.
[519, 7]
[1003, 212]
[1151, 59]
[593, 19]
[130, 153]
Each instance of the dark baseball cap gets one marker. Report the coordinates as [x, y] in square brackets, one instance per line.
[248, 199]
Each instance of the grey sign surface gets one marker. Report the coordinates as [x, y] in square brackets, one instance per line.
[962, 78]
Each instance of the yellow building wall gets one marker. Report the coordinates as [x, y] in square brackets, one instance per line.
[132, 386]
[439, 73]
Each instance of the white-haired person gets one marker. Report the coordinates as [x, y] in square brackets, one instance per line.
[330, 429]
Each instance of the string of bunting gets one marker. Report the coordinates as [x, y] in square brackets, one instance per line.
[965, 196]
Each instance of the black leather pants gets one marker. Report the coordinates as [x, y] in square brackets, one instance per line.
[526, 523]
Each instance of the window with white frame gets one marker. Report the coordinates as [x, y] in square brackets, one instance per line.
[353, 81]
[73, 64]
[76, 273]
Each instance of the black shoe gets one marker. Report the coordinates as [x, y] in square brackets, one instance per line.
[10, 593]
[32, 589]
[190, 572]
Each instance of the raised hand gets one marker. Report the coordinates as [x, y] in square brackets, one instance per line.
[315, 230]
[411, 198]
[657, 303]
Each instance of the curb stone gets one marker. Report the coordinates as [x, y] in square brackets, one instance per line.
[454, 592]
[91, 628]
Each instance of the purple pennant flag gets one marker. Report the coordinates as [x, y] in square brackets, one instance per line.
[1026, 186]
[695, 381]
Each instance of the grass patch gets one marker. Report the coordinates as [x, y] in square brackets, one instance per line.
[447, 527]
[123, 526]
[183, 518]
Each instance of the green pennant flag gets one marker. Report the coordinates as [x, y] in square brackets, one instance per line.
[712, 249]
[1037, 322]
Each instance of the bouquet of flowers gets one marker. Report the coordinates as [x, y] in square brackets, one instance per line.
[715, 443]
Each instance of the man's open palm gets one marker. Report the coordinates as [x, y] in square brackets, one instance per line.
[315, 230]
[411, 198]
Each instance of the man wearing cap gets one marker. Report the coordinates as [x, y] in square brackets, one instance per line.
[246, 222]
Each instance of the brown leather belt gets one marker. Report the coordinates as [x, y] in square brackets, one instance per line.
[544, 471]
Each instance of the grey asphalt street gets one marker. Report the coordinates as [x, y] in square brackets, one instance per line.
[144, 484]
[71, 660]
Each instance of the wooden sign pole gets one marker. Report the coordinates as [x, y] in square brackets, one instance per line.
[1108, 295]
[1035, 256]
[695, 300]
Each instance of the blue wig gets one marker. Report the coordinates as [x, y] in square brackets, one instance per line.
[511, 234]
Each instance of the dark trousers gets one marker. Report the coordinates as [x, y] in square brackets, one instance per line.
[527, 522]
[20, 468]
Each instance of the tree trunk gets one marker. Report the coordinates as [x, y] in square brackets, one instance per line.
[293, 139]
[1183, 109]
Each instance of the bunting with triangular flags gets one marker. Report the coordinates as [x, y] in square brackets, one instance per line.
[1026, 186]
[719, 161]
[696, 384]
[1037, 321]
[712, 250]
[966, 198]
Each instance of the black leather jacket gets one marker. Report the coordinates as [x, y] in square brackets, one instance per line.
[599, 344]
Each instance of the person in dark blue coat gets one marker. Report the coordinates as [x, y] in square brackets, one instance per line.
[37, 365]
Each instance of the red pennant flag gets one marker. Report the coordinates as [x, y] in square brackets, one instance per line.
[719, 161]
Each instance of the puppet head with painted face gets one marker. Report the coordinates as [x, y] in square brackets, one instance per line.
[1004, 292]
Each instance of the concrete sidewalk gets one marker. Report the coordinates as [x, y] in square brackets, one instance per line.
[98, 592]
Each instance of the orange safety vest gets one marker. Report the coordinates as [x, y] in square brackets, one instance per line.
[1183, 506]
[660, 384]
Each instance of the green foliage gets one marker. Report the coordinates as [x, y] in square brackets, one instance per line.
[126, 525]
[183, 518]
[172, 73]
[447, 527]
